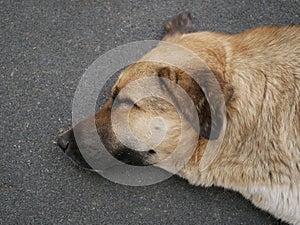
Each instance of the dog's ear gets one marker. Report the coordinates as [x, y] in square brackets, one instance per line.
[209, 93]
[179, 24]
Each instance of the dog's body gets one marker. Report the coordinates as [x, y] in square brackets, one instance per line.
[259, 75]
[260, 155]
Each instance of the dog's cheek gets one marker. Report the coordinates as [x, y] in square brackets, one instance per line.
[170, 140]
[139, 125]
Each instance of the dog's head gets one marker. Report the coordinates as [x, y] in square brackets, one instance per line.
[162, 109]
[155, 109]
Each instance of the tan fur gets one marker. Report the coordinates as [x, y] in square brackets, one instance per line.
[261, 147]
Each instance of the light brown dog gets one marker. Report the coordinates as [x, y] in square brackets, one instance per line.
[257, 113]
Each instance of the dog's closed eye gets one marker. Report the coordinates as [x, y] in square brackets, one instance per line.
[127, 101]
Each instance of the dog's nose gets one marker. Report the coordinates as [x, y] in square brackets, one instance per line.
[68, 144]
[63, 142]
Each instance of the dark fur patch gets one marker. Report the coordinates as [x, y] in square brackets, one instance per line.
[131, 157]
[115, 92]
[208, 128]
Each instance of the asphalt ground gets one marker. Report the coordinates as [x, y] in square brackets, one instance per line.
[45, 48]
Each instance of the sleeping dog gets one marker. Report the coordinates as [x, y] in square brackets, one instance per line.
[245, 92]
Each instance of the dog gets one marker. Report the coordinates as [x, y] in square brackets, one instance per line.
[246, 92]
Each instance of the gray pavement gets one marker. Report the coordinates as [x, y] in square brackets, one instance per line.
[45, 48]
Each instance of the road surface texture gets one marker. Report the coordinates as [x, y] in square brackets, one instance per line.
[45, 48]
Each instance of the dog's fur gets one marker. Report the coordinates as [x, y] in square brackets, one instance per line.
[258, 72]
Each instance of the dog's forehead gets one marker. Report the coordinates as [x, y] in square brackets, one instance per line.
[137, 71]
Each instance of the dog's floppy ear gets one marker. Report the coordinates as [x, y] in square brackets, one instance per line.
[209, 95]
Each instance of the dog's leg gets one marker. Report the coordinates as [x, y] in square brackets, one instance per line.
[180, 24]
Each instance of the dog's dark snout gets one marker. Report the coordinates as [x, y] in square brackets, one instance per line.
[63, 142]
[68, 144]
